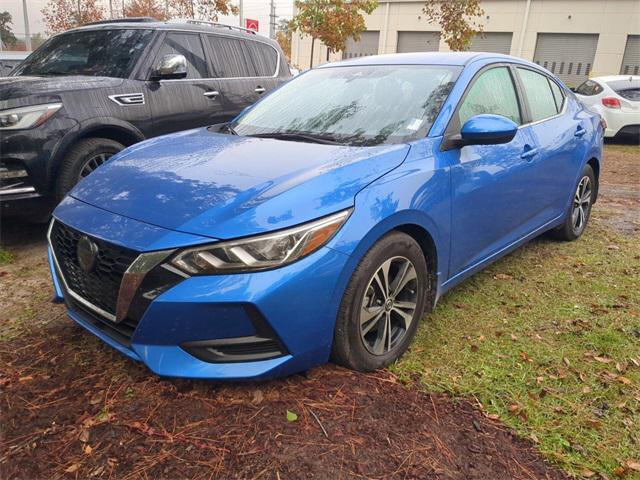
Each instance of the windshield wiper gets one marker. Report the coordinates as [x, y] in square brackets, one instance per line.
[303, 137]
[228, 128]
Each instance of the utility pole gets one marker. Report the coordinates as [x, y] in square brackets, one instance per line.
[240, 14]
[111, 9]
[27, 33]
[272, 20]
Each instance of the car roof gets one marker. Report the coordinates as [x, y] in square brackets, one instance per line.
[175, 25]
[427, 58]
[613, 78]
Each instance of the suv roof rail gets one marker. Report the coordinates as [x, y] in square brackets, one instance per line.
[124, 20]
[212, 24]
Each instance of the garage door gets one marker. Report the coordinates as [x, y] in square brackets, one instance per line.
[418, 42]
[568, 55]
[496, 42]
[631, 59]
[367, 45]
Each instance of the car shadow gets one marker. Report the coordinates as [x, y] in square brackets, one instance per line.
[17, 233]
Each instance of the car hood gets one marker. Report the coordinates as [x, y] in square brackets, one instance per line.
[226, 186]
[23, 90]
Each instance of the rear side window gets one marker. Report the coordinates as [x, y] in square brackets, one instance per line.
[628, 88]
[542, 103]
[231, 57]
[190, 46]
[493, 92]
[557, 95]
[589, 88]
[264, 57]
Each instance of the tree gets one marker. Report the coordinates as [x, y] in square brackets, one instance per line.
[6, 32]
[61, 15]
[145, 8]
[456, 19]
[202, 9]
[283, 37]
[331, 21]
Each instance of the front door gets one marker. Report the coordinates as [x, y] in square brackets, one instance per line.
[194, 101]
[490, 183]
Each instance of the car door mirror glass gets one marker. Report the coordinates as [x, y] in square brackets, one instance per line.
[171, 66]
[488, 129]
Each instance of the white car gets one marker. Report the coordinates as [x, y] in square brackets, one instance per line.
[617, 99]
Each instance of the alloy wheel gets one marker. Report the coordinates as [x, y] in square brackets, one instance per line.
[389, 305]
[581, 204]
[93, 163]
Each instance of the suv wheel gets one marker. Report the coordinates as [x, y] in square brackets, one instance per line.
[382, 304]
[82, 159]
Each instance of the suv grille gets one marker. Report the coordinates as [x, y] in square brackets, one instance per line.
[100, 286]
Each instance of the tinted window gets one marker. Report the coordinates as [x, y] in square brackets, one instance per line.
[363, 105]
[589, 88]
[264, 57]
[628, 88]
[493, 92]
[231, 58]
[536, 86]
[557, 95]
[190, 47]
[105, 53]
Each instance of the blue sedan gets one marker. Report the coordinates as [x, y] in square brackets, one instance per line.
[324, 221]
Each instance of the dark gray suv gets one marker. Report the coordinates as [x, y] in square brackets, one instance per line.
[89, 92]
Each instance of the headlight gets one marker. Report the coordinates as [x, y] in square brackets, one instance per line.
[27, 117]
[260, 252]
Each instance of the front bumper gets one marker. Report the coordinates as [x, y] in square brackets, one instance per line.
[295, 305]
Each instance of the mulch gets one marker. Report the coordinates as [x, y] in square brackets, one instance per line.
[73, 408]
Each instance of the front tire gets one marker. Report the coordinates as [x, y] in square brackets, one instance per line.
[81, 159]
[579, 211]
[382, 304]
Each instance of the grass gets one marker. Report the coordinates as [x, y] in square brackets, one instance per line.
[6, 257]
[548, 340]
[623, 148]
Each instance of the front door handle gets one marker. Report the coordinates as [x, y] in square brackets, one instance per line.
[260, 90]
[580, 131]
[528, 154]
[212, 94]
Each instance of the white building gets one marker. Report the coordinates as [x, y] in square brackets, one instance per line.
[574, 39]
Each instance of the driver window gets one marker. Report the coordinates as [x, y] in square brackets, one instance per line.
[493, 92]
[188, 46]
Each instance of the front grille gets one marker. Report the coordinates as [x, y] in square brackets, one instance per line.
[100, 287]
[121, 332]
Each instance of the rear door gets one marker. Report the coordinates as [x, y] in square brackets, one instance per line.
[194, 101]
[558, 138]
[246, 69]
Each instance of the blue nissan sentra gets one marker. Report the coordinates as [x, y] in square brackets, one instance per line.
[324, 221]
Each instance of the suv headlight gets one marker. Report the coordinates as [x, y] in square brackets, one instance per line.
[27, 117]
[260, 252]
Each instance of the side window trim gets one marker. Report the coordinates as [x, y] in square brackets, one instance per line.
[453, 127]
[526, 99]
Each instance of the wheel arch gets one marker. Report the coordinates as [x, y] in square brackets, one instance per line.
[595, 165]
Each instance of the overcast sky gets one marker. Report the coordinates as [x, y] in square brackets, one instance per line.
[256, 9]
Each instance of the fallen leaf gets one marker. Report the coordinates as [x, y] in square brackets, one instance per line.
[620, 471]
[258, 396]
[502, 276]
[586, 473]
[513, 337]
[624, 380]
[72, 468]
[566, 361]
[87, 450]
[633, 465]
[84, 435]
[613, 246]
[291, 416]
[620, 367]
[493, 416]
[602, 359]
[25, 379]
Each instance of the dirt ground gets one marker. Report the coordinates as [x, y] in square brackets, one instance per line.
[71, 407]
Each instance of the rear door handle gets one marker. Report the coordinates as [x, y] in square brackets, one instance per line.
[260, 90]
[529, 154]
[580, 131]
[212, 94]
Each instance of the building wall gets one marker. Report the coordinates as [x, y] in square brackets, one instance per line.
[613, 20]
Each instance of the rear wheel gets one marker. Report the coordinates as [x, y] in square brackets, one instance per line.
[382, 304]
[82, 159]
[580, 210]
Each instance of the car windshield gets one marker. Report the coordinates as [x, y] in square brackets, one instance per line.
[628, 88]
[104, 53]
[354, 105]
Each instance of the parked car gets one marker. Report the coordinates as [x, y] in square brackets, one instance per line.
[327, 218]
[617, 99]
[88, 93]
[10, 60]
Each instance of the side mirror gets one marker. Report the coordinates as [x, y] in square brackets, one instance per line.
[488, 130]
[171, 66]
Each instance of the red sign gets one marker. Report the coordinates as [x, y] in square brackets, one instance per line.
[251, 24]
